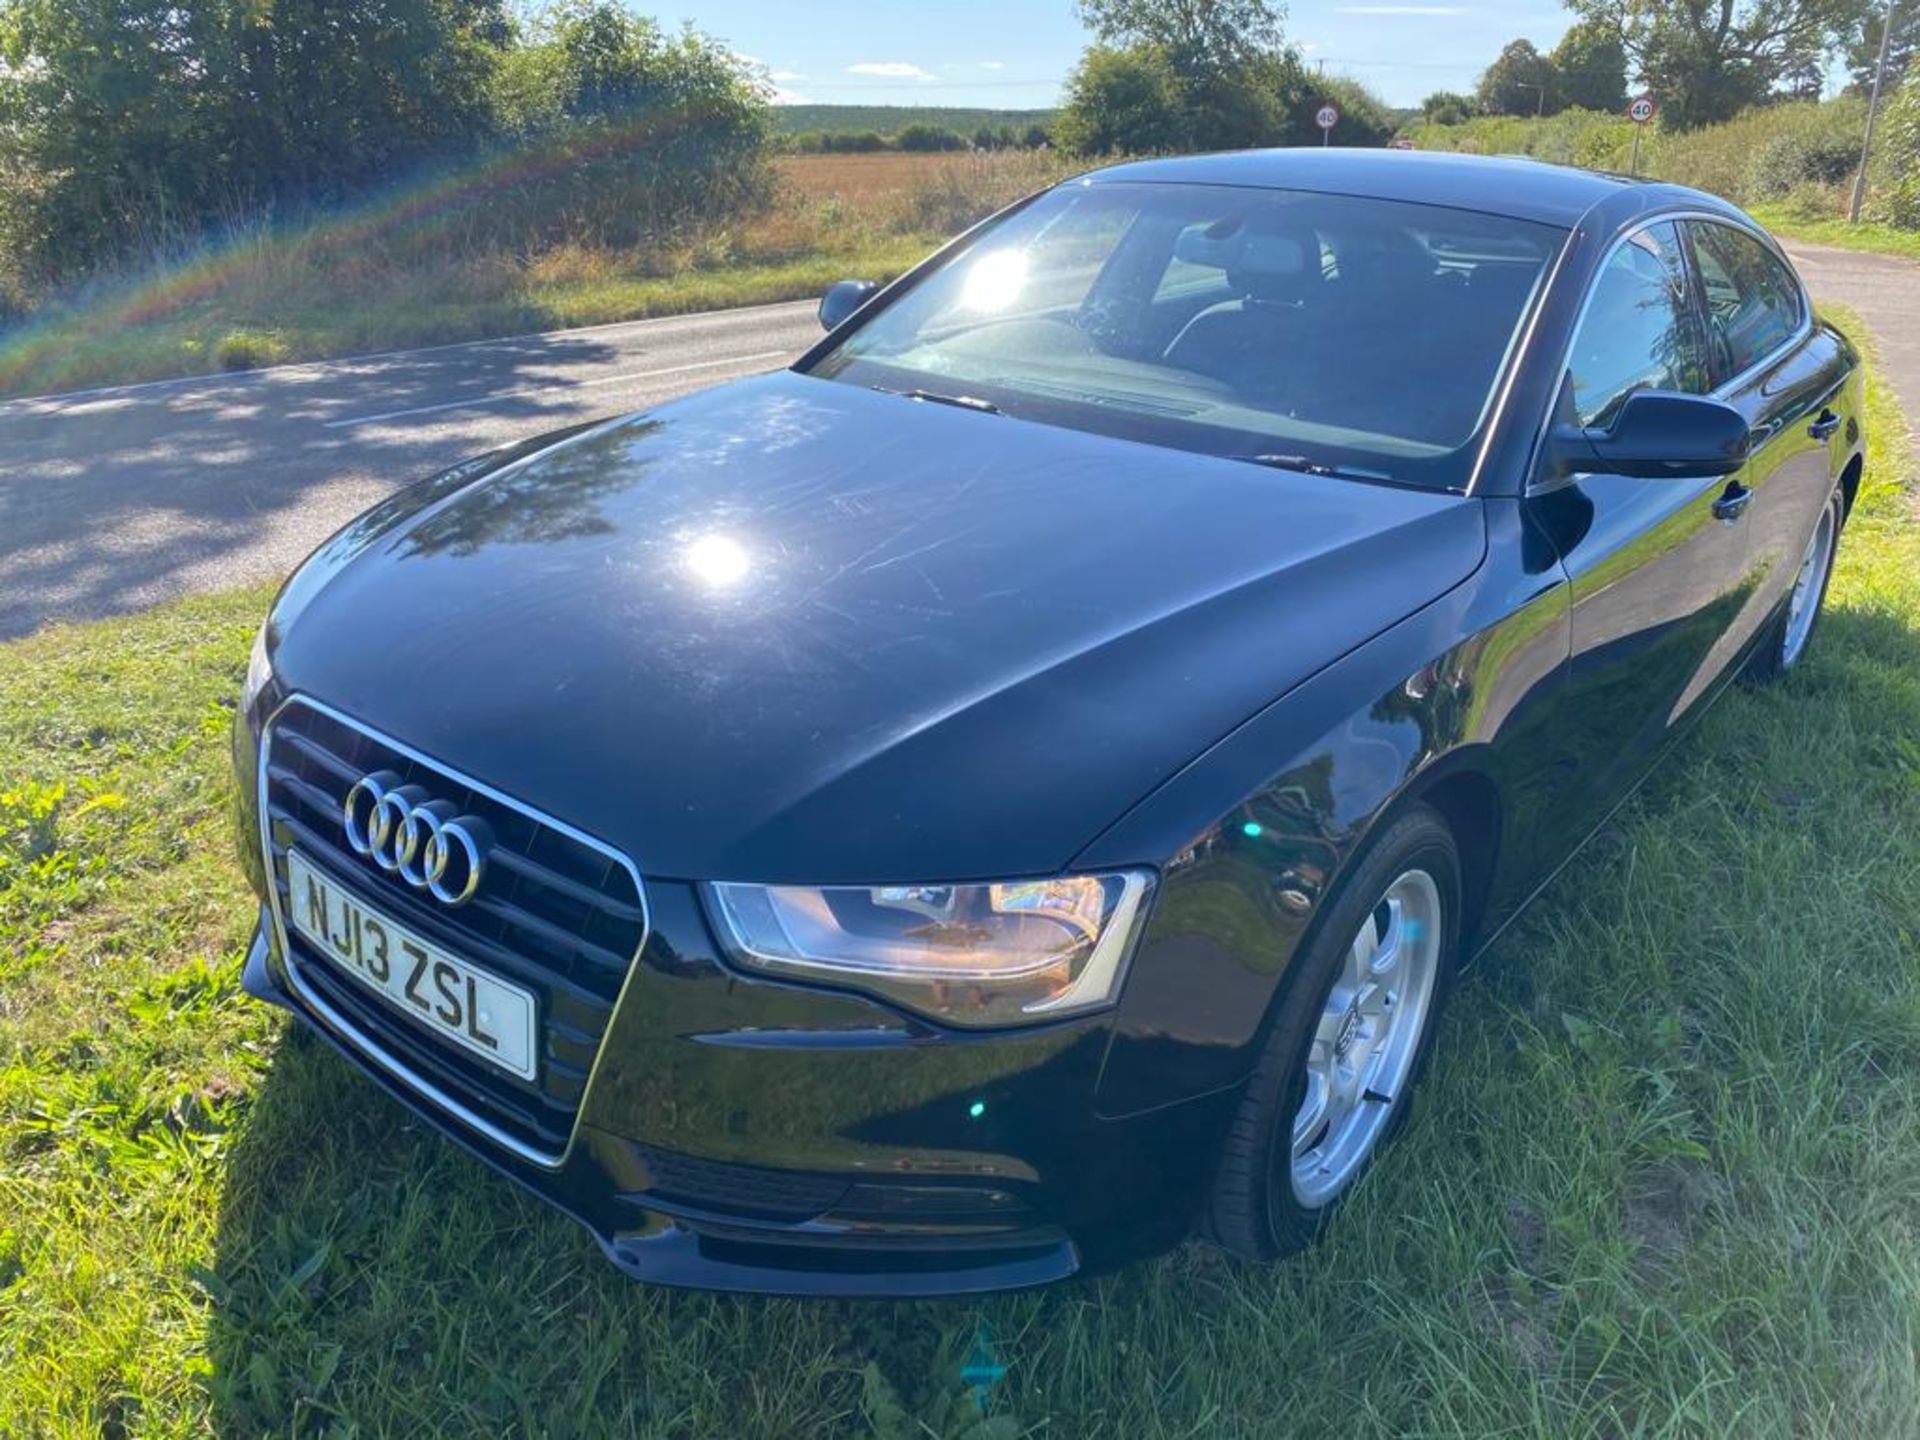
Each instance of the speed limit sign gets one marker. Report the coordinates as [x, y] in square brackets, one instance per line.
[1639, 111]
[1326, 117]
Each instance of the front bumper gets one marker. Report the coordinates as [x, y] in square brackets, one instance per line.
[739, 1132]
[825, 1158]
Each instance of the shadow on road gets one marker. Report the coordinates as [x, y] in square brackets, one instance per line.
[111, 502]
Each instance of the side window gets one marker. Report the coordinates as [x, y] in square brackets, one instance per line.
[1638, 331]
[1752, 301]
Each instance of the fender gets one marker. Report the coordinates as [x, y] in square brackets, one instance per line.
[1484, 663]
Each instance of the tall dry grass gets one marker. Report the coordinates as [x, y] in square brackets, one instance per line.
[269, 292]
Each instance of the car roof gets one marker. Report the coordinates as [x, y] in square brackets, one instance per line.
[1514, 186]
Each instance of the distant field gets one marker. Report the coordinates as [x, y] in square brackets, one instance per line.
[889, 119]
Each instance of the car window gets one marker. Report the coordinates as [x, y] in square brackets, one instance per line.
[1752, 301]
[1327, 332]
[1637, 332]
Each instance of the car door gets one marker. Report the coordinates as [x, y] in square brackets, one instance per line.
[1657, 568]
[1785, 375]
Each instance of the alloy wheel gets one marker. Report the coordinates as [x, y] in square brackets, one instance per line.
[1808, 587]
[1361, 1059]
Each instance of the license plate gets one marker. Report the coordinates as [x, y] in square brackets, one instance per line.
[456, 1000]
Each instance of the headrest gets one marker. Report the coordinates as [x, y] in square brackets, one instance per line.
[1234, 246]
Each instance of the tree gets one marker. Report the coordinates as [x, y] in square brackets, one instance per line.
[1590, 66]
[1707, 59]
[1365, 119]
[1520, 81]
[1447, 107]
[1185, 75]
[1195, 36]
[142, 117]
[1863, 52]
[929, 138]
[1122, 102]
[639, 131]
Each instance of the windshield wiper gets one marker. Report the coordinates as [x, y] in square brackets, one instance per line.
[964, 402]
[1305, 466]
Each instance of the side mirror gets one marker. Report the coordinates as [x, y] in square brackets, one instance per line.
[843, 297]
[1657, 435]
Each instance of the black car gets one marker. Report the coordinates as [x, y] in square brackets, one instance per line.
[1017, 786]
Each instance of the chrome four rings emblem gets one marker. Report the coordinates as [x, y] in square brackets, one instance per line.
[426, 842]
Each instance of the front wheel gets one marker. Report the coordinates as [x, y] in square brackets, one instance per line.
[1786, 639]
[1348, 1041]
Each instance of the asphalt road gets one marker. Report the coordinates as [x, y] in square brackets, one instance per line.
[111, 500]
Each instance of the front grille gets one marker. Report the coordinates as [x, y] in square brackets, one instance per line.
[556, 913]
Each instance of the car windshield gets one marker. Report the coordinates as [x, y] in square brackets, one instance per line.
[1327, 333]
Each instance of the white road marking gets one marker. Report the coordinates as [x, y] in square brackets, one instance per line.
[478, 402]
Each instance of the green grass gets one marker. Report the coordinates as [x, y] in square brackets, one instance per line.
[1665, 1179]
[1868, 235]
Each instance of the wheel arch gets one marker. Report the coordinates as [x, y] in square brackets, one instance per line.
[1850, 483]
[1467, 798]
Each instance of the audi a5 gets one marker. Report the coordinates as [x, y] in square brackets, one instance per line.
[1016, 787]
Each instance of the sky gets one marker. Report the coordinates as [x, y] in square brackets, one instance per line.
[1014, 54]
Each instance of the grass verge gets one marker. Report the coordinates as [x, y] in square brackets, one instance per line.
[269, 296]
[1665, 1181]
[1868, 235]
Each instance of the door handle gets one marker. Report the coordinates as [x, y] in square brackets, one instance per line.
[1824, 426]
[1733, 502]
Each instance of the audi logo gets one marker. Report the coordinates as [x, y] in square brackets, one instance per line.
[426, 842]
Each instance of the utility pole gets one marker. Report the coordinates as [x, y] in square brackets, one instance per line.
[1873, 110]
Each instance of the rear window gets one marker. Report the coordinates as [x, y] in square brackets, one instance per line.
[1362, 336]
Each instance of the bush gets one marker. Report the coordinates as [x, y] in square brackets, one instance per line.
[135, 124]
[1364, 116]
[929, 139]
[1573, 137]
[1896, 169]
[1799, 152]
[1766, 152]
[1805, 145]
[1122, 102]
[248, 350]
[624, 134]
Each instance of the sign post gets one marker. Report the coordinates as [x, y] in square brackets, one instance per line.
[1326, 117]
[1639, 110]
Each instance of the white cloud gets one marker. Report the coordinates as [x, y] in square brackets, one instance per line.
[891, 69]
[790, 97]
[1403, 10]
[993, 64]
[781, 76]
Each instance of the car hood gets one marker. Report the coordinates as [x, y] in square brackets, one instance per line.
[795, 630]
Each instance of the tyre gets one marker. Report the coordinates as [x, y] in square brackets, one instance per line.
[1348, 1040]
[1787, 635]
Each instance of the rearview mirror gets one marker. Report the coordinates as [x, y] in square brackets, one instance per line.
[843, 297]
[1657, 435]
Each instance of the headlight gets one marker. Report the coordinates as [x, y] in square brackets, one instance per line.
[972, 955]
[259, 672]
